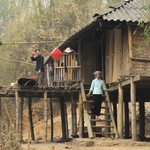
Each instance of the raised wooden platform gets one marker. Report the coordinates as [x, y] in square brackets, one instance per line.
[28, 91]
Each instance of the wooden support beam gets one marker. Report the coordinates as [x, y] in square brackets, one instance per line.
[45, 116]
[126, 109]
[79, 50]
[120, 111]
[17, 111]
[115, 111]
[51, 122]
[66, 121]
[30, 118]
[133, 110]
[81, 117]
[73, 116]
[0, 108]
[107, 117]
[130, 41]
[63, 121]
[142, 119]
[89, 127]
[20, 118]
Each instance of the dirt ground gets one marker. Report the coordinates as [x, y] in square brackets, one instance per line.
[92, 144]
[78, 145]
[59, 147]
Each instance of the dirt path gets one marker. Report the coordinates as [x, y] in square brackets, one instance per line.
[86, 144]
[64, 147]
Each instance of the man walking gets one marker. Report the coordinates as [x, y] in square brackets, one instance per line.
[39, 66]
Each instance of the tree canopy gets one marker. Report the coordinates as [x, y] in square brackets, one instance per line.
[37, 21]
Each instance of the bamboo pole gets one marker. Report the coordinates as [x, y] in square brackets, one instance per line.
[133, 110]
[6, 59]
[120, 111]
[142, 119]
[51, 117]
[81, 117]
[30, 118]
[42, 42]
[45, 116]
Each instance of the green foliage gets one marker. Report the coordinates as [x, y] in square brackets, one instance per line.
[1, 43]
[146, 26]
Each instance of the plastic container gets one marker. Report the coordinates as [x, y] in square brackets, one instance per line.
[56, 54]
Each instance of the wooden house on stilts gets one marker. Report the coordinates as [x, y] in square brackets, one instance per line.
[114, 44]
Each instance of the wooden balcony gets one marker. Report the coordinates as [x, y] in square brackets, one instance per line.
[66, 72]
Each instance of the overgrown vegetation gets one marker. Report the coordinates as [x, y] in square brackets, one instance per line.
[146, 26]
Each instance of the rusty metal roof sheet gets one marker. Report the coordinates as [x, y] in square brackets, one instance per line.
[126, 10]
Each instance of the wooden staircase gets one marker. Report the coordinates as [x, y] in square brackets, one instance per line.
[106, 127]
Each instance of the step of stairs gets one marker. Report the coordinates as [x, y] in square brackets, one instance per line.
[104, 120]
[104, 133]
[94, 126]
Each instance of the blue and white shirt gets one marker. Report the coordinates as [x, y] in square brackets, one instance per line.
[98, 86]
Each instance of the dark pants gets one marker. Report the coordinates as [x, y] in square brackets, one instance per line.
[97, 104]
[40, 78]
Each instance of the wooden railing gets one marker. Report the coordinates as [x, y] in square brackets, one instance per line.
[66, 72]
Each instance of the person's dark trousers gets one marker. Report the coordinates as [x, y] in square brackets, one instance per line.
[40, 78]
[97, 104]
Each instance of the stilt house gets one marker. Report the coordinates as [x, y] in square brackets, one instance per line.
[114, 44]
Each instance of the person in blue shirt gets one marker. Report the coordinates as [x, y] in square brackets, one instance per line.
[97, 88]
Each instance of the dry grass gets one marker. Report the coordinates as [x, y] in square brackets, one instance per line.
[8, 137]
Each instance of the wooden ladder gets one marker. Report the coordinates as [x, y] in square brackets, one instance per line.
[105, 127]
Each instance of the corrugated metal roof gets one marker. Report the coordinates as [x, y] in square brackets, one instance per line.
[131, 10]
[125, 10]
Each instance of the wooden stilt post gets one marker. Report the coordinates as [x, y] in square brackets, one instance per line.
[107, 123]
[20, 117]
[120, 111]
[30, 118]
[73, 116]
[115, 111]
[63, 124]
[45, 116]
[0, 108]
[142, 119]
[51, 117]
[133, 110]
[17, 111]
[66, 121]
[81, 117]
[126, 109]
